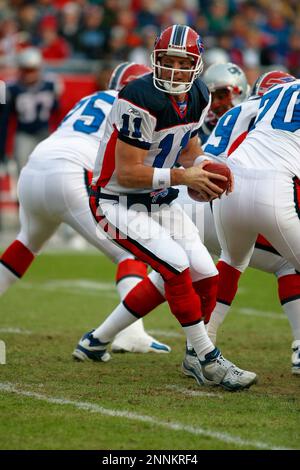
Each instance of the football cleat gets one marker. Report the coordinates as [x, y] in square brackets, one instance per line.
[191, 366]
[142, 343]
[219, 371]
[296, 357]
[91, 349]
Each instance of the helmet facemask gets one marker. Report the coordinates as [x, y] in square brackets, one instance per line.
[171, 85]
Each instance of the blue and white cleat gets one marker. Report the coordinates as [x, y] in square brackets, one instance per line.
[219, 371]
[141, 343]
[191, 366]
[91, 349]
[296, 357]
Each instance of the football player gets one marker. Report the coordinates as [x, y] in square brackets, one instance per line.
[53, 188]
[266, 198]
[228, 134]
[31, 99]
[153, 123]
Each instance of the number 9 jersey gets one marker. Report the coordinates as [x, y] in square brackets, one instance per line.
[148, 118]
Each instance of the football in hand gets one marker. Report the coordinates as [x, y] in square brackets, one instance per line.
[217, 168]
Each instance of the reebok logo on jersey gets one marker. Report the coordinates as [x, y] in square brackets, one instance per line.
[134, 111]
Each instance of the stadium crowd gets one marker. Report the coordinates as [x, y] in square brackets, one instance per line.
[253, 34]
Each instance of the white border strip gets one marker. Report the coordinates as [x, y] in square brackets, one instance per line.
[174, 426]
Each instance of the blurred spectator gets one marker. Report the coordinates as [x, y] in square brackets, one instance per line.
[253, 44]
[146, 15]
[218, 16]
[141, 54]
[92, 38]
[70, 24]
[11, 39]
[30, 99]
[293, 56]
[251, 32]
[53, 46]
[28, 19]
[117, 48]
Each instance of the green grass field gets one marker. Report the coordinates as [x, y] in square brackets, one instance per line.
[136, 401]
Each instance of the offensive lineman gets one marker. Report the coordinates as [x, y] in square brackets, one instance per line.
[53, 188]
[266, 201]
[228, 134]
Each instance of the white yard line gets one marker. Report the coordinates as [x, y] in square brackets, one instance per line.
[193, 393]
[14, 331]
[174, 426]
[263, 314]
[74, 287]
[166, 333]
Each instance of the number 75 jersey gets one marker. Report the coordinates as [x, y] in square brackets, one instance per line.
[149, 119]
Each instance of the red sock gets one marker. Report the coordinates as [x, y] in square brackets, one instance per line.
[228, 282]
[143, 298]
[289, 288]
[207, 290]
[131, 267]
[184, 302]
[17, 258]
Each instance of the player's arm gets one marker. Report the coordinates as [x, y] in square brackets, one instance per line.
[190, 152]
[133, 173]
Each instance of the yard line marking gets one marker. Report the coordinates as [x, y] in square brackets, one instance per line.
[192, 393]
[17, 331]
[74, 287]
[174, 426]
[259, 313]
[169, 334]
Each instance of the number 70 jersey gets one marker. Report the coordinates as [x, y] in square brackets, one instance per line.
[273, 142]
[151, 120]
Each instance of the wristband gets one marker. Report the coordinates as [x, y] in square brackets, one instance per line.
[161, 178]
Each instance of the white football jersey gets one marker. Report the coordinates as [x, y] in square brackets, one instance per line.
[231, 129]
[149, 119]
[274, 141]
[78, 136]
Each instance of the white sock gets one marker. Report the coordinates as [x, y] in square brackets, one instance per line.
[292, 310]
[119, 319]
[198, 338]
[216, 319]
[126, 284]
[7, 278]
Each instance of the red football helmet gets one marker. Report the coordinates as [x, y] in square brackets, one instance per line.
[181, 41]
[269, 79]
[125, 73]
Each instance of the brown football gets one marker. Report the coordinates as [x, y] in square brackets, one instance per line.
[212, 167]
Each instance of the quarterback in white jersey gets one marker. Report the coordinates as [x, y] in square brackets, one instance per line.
[152, 125]
[266, 200]
[53, 188]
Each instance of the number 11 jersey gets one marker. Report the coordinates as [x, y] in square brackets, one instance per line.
[147, 118]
